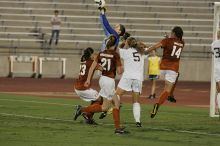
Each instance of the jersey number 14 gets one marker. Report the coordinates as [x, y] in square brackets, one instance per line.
[176, 52]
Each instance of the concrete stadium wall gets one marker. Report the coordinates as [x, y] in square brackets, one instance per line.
[190, 69]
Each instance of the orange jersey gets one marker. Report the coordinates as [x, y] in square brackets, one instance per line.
[109, 60]
[172, 49]
[83, 74]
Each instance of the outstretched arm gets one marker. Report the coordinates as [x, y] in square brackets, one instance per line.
[154, 47]
[106, 26]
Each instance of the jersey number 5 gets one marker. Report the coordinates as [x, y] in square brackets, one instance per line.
[136, 56]
[176, 52]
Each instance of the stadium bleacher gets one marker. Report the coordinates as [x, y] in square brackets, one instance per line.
[25, 24]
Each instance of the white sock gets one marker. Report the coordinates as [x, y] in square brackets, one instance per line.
[137, 111]
[218, 100]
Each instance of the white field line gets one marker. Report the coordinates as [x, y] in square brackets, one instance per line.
[38, 102]
[72, 105]
[150, 128]
[65, 94]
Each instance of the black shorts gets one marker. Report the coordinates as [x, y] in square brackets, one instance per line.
[153, 77]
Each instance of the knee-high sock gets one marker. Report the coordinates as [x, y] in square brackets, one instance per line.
[163, 97]
[116, 117]
[218, 100]
[137, 111]
[94, 108]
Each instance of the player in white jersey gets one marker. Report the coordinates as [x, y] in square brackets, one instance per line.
[216, 53]
[131, 80]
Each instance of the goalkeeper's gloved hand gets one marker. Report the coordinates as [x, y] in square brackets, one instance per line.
[101, 5]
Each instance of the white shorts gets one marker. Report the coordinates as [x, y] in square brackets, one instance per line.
[87, 95]
[130, 85]
[217, 74]
[107, 86]
[169, 75]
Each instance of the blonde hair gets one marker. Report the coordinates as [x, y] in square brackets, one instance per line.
[138, 45]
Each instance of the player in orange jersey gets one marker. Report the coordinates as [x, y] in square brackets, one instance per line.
[111, 63]
[87, 93]
[169, 66]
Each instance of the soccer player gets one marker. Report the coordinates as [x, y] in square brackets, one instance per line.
[216, 53]
[131, 80]
[111, 63]
[87, 93]
[118, 29]
[169, 66]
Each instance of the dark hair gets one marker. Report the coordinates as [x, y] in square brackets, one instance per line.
[110, 41]
[56, 11]
[122, 29]
[125, 36]
[178, 31]
[87, 54]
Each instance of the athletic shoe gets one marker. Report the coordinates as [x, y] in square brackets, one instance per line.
[171, 99]
[155, 109]
[121, 131]
[78, 112]
[103, 115]
[152, 96]
[91, 122]
[138, 124]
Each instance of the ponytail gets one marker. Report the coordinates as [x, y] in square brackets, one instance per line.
[110, 41]
[87, 54]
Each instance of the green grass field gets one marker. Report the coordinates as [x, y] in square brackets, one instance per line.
[37, 121]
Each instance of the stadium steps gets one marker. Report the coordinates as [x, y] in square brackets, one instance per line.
[148, 20]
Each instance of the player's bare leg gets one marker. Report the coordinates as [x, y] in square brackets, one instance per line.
[153, 95]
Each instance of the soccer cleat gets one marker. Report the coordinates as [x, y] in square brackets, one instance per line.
[85, 116]
[103, 115]
[138, 124]
[78, 112]
[155, 109]
[120, 131]
[171, 99]
[91, 122]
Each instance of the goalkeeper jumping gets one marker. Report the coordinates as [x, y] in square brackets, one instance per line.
[118, 29]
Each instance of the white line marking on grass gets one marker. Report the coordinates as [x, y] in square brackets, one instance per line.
[35, 117]
[151, 128]
[73, 105]
[41, 102]
[185, 131]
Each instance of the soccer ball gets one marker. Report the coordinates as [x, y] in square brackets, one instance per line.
[101, 3]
